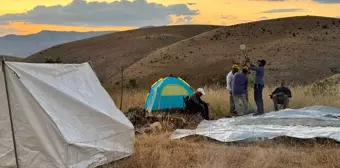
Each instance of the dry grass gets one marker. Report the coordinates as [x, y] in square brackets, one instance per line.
[219, 98]
[131, 98]
[154, 151]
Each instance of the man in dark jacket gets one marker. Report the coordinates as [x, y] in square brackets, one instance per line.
[281, 95]
[240, 90]
[195, 101]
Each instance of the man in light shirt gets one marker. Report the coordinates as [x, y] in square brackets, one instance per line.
[230, 77]
[259, 84]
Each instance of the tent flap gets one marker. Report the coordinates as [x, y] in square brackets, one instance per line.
[7, 157]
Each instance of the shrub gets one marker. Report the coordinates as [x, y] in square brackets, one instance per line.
[52, 60]
[132, 84]
[325, 26]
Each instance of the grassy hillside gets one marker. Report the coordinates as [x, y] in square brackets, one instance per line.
[298, 49]
[109, 52]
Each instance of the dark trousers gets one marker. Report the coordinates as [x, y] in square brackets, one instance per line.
[258, 98]
[204, 111]
[231, 104]
[280, 99]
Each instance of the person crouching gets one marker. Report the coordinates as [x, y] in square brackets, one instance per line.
[196, 101]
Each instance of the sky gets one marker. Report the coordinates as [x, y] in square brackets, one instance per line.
[23, 17]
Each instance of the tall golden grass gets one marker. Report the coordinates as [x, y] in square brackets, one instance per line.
[157, 151]
[218, 98]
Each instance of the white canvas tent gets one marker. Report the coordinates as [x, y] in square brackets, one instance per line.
[61, 116]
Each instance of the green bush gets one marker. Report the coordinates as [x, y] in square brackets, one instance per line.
[52, 60]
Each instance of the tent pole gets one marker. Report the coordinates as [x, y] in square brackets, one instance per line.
[122, 87]
[10, 112]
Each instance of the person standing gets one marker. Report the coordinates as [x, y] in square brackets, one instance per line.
[239, 92]
[230, 77]
[259, 84]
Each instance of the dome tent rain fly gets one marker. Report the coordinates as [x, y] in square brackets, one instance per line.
[167, 93]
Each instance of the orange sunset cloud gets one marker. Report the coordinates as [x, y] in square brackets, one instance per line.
[31, 16]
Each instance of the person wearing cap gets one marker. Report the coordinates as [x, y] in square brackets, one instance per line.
[239, 92]
[259, 84]
[196, 102]
[230, 77]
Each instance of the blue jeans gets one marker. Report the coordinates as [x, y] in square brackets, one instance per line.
[258, 98]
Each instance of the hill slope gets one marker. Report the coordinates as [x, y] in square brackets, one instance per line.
[11, 58]
[27, 45]
[298, 49]
[109, 52]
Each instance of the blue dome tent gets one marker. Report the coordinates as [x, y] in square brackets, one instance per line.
[167, 93]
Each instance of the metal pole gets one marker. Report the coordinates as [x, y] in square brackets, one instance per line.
[10, 113]
[122, 88]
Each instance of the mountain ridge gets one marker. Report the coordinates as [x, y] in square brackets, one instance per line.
[298, 49]
[25, 45]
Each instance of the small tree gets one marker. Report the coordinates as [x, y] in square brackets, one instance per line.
[132, 84]
[52, 60]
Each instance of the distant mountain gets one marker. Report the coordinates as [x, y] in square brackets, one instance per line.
[11, 58]
[23, 46]
[145, 27]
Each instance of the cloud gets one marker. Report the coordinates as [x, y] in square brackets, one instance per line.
[7, 31]
[270, 0]
[191, 3]
[263, 17]
[184, 20]
[118, 13]
[318, 1]
[282, 10]
[327, 1]
[228, 17]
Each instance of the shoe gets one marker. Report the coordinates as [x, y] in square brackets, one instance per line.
[234, 114]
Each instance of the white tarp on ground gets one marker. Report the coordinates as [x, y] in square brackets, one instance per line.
[62, 117]
[305, 123]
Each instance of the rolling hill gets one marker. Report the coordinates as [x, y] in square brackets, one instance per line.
[11, 58]
[299, 49]
[26, 45]
[109, 52]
